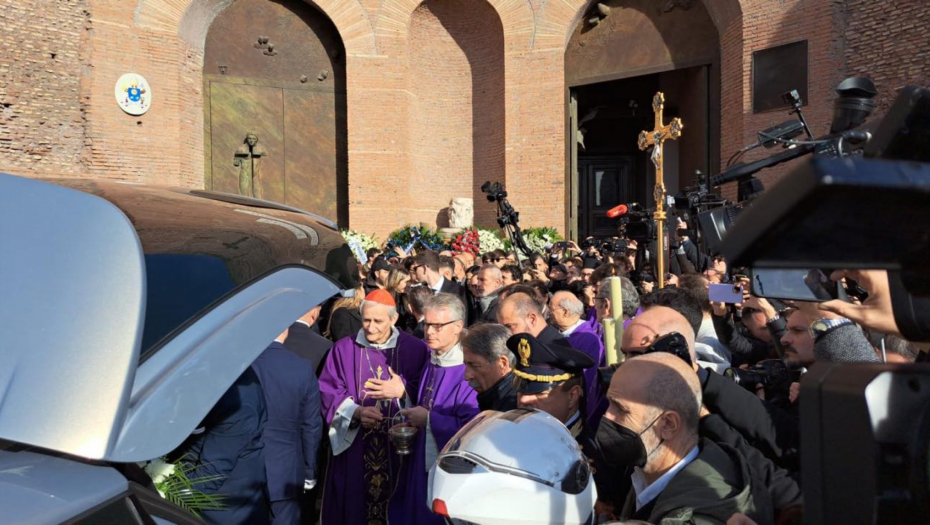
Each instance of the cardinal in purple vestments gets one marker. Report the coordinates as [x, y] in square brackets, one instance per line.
[567, 311]
[365, 382]
[446, 403]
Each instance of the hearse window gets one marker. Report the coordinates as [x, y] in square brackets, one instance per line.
[178, 287]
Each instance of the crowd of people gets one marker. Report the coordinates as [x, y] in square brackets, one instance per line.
[700, 424]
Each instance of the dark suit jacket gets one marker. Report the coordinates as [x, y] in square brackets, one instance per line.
[230, 449]
[295, 425]
[453, 288]
[345, 322]
[309, 344]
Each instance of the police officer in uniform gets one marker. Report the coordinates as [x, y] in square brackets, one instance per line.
[549, 377]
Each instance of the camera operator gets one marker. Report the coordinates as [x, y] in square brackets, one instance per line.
[687, 258]
[686, 304]
[835, 338]
[759, 333]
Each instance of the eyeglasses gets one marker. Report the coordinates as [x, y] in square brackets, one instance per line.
[438, 326]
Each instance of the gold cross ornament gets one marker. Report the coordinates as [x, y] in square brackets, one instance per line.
[656, 138]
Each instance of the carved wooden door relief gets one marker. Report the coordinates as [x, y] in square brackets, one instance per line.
[275, 106]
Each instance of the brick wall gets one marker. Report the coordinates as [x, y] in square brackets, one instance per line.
[456, 84]
[58, 115]
[764, 27]
[43, 64]
[887, 41]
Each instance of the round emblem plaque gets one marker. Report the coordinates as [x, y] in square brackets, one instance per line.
[133, 94]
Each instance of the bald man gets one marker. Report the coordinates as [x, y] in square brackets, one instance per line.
[521, 314]
[651, 325]
[734, 416]
[651, 426]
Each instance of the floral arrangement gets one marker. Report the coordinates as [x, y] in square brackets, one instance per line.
[477, 240]
[420, 237]
[489, 240]
[537, 239]
[467, 241]
[365, 242]
[172, 481]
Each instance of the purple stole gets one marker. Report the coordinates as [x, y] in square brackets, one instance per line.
[361, 480]
[452, 402]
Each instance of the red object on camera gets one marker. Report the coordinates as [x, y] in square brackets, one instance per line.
[617, 211]
[439, 507]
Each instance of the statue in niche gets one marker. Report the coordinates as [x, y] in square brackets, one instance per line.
[461, 213]
[248, 159]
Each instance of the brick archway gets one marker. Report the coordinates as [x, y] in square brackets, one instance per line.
[191, 19]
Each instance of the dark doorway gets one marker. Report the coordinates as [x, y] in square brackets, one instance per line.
[274, 71]
[603, 182]
[607, 118]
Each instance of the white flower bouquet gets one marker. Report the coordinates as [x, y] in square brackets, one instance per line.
[366, 242]
[172, 481]
[489, 241]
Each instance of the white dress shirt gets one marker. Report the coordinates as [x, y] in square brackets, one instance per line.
[646, 493]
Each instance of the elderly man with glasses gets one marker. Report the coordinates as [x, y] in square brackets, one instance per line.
[445, 403]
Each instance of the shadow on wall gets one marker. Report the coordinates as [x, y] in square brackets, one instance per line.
[456, 85]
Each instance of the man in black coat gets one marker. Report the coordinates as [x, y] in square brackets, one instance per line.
[294, 429]
[489, 366]
[304, 339]
[426, 270]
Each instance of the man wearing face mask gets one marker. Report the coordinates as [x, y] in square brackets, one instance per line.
[732, 415]
[652, 425]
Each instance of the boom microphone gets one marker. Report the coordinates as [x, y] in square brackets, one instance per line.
[617, 211]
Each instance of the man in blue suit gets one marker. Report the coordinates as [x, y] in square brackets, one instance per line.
[294, 428]
[227, 449]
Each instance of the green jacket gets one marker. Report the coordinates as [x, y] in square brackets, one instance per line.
[713, 487]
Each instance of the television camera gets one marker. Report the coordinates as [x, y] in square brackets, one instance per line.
[865, 443]
[712, 215]
[507, 218]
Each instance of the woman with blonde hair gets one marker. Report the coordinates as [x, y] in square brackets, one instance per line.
[345, 320]
[396, 284]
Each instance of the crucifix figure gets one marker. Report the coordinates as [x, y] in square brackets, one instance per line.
[656, 138]
[248, 160]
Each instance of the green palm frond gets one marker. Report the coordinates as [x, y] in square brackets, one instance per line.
[179, 489]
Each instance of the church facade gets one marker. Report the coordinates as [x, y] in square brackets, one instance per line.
[376, 113]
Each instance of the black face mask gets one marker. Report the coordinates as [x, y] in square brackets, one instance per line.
[621, 447]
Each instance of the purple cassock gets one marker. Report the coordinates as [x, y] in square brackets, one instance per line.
[590, 318]
[364, 467]
[451, 402]
[583, 337]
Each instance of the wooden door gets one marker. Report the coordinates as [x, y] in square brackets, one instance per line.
[275, 69]
[604, 182]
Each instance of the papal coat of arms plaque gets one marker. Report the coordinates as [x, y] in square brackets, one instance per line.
[133, 94]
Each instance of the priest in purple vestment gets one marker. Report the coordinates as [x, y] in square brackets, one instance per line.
[567, 311]
[366, 380]
[446, 403]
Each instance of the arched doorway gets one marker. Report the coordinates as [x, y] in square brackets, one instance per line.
[275, 106]
[619, 55]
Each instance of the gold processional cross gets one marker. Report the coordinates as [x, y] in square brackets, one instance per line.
[656, 138]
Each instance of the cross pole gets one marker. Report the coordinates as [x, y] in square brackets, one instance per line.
[656, 138]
